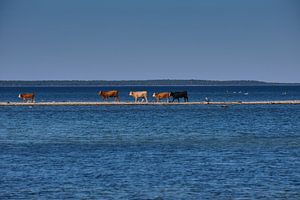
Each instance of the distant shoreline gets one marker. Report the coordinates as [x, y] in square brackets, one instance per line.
[225, 85]
[138, 83]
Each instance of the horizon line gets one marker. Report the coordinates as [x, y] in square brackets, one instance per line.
[245, 80]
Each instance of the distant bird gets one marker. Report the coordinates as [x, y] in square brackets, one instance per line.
[207, 100]
[246, 93]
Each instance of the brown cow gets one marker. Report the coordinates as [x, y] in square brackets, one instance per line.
[161, 95]
[106, 94]
[27, 97]
[139, 94]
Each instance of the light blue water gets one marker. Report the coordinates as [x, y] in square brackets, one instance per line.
[148, 152]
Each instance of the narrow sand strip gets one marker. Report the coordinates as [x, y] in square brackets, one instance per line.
[144, 103]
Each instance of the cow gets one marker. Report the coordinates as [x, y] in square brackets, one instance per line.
[139, 94]
[178, 95]
[27, 97]
[162, 95]
[107, 94]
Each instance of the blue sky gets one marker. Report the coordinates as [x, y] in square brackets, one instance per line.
[150, 39]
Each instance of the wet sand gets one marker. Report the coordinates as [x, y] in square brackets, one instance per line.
[146, 103]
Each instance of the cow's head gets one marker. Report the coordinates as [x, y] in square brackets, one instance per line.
[154, 94]
[130, 93]
[100, 92]
[19, 96]
[171, 94]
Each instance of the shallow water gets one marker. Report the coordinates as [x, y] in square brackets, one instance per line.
[195, 93]
[148, 152]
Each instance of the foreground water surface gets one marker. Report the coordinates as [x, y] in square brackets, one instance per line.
[151, 152]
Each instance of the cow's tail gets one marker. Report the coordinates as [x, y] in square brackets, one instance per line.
[33, 95]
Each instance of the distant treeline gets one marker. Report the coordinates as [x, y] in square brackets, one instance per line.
[166, 82]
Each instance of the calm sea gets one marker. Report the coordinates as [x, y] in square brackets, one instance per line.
[151, 152]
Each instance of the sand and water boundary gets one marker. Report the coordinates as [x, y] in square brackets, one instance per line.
[286, 102]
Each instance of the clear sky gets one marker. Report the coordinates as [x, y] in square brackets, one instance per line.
[150, 39]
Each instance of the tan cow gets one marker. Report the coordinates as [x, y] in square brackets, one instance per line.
[161, 95]
[139, 94]
[27, 97]
[106, 94]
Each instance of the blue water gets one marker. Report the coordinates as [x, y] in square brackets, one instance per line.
[151, 152]
[195, 93]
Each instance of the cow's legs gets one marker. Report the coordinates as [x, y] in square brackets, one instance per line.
[146, 99]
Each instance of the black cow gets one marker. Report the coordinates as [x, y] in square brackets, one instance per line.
[178, 95]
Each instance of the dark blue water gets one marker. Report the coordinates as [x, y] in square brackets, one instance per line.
[148, 152]
[196, 93]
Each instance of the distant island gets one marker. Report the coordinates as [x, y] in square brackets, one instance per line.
[161, 82]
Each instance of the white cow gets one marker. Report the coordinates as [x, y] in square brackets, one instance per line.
[139, 94]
